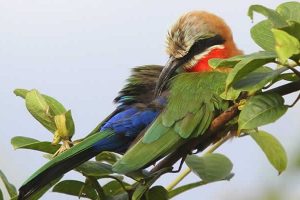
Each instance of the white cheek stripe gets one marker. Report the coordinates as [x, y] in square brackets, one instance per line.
[208, 50]
[196, 58]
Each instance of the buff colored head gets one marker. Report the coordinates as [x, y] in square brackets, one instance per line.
[195, 38]
[195, 26]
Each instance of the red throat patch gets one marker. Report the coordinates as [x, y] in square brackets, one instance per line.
[202, 65]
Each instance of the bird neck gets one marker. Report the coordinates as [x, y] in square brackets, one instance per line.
[202, 65]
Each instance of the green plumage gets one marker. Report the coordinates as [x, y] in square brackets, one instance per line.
[193, 101]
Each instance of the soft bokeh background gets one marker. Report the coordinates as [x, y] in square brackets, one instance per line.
[81, 52]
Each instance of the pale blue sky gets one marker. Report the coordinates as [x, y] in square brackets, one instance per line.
[81, 52]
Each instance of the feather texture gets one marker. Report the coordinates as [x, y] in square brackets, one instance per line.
[191, 105]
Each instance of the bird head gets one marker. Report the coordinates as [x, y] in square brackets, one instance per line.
[195, 38]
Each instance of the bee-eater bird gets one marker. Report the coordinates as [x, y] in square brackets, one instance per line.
[178, 109]
[192, 99]
[136, 110]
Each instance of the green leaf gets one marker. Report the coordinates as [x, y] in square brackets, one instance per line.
[211, 167]
[20, 142]
[249, 64]
[258, 79]
[21, 93]
[108, 157]
[123, 196]
[1, 195]
[277, 20]
[272, 149]
[113, 188]
[139, 175]
[262, 35]
[293, 29]
[56, 108]
[139, 192]
[289, 77]
[253, 82]
[94, 168]
[70, 123]
[260, 110]
[14, 198]
[11, 189]
[290, 11]
[74, 188]
[230, 94]
[143, 187]
[39, 109]
[157, 193]
[44, 109]
[286, 45]
[229, 62]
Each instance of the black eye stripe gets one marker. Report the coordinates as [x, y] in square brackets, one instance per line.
[200, 45]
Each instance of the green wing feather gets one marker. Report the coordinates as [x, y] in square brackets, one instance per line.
[205, 120]
[193, 101]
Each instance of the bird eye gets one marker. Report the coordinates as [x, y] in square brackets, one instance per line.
[201, 45]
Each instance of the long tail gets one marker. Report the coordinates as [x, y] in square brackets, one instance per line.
[138, 155]
[90, 147]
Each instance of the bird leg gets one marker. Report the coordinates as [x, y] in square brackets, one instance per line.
[180, 165]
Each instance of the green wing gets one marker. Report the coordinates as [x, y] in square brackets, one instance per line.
[193, 101]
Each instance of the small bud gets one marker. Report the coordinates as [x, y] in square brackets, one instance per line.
[60, 122]
[64, 127]
[56, 138]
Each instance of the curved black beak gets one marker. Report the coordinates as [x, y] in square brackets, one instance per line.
[168, 71]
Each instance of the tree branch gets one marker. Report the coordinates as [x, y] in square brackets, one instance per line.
[188, 170]
[213, 133]
[286, 89]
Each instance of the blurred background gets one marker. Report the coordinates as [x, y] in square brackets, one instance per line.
[81, 52]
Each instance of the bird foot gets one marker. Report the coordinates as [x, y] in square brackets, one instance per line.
[180, 165]
[66, 145]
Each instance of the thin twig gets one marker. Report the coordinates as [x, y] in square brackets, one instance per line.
[188, 170]
[286, 89]
[97, 186]
[294, 103]
[294, 70]
[186, 187]
[178, 179]
[116, 179]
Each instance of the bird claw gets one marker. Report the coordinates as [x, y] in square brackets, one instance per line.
[180, 165]
[66, 145]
